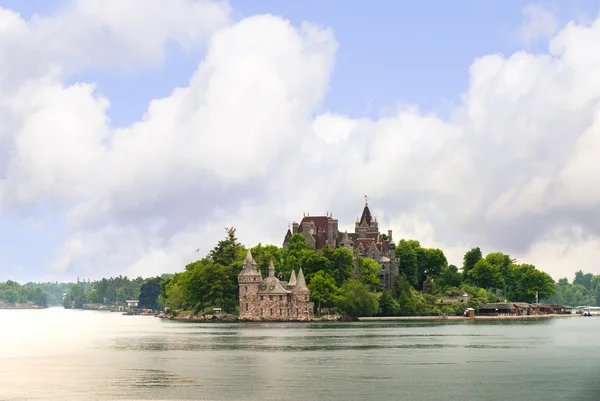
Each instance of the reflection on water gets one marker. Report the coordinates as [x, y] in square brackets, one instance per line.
[74, 355]
[148, 378]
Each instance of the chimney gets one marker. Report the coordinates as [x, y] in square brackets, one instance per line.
[390, 236]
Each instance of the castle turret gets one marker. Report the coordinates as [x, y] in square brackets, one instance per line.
[271, 269]
[292, 282]
[301, 287]
[249, 281]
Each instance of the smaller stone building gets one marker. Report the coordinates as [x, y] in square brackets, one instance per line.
[271, 299]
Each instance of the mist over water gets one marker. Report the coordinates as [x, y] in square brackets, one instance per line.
[58, 354]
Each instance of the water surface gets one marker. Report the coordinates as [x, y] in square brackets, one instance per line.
[58, 354]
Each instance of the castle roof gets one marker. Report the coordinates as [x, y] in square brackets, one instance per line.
[271, 285]
[321, 227]
[366, 215]
[292, 279]
[301, 284]
[249, 267]
[346, 239]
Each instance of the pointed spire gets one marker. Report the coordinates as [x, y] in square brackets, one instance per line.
[346, 239]
[271, 269]
[300, 283]
[249, 259]
[292, 279]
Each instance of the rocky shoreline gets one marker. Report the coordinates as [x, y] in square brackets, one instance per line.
[21, 306]
[222, 318]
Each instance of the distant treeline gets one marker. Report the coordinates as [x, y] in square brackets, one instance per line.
[115, 291]
[12, 293]
[424, 277]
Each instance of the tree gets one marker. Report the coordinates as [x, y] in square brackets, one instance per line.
[149, 292]
[430, 264]
[532, 281]
[121, 296]
[505, 266]
[312, 262]
[323, 290]
[357, 300]
[264, 254]
[340, 264]
[449, 277]
[470, 259]
[227, 250]
[406, 252]
[387, 304]
[485, 275]
[368, 269]
[584, 279]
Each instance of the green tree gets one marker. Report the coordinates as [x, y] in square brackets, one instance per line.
[369, 269]
[357, 300]
[340, 264]
[406, 253]
[323, 290]
[149, 292]
[387, 304]
[532, 281]
[485, 274]
[470, 260]
[264, 254]
[121, 296]
[431, 262]
[449, 277]
[227, 250]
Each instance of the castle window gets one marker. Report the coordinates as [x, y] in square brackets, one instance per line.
[280, 312]
[261, 312]
[381, 277]
[261, 297]
[270, 297]
[281, 297]
[271, 311]
[297, 311]
[246, 307]
[246, 290]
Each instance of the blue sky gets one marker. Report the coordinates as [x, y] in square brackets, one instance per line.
[390, 52]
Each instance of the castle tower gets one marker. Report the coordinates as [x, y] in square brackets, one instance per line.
[302, 308]
[347, 242]
[249, 281]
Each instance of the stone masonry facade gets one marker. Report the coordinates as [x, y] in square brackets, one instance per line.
[271, 299]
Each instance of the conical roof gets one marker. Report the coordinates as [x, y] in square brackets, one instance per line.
[249, 259]
[292, 279]
[366, 215]
[249, 267]
[300, 283]
[346, 239]
[271, 269]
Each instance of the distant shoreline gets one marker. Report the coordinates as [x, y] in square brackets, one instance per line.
[388, 318]
[12, 307]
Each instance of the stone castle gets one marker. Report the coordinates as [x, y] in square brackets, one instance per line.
[271, 299]
[321, 231]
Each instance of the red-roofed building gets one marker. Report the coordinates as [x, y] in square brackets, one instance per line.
[321, 231]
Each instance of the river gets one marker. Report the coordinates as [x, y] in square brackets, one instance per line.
[58, 354]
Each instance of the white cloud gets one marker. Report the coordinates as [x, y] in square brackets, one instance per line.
[241, 146]
[539, 23]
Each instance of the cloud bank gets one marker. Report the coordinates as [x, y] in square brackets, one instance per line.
[242, 144]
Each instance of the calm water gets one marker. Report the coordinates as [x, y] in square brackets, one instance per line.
[57, 354]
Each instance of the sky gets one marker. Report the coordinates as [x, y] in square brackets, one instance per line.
[132, 133]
